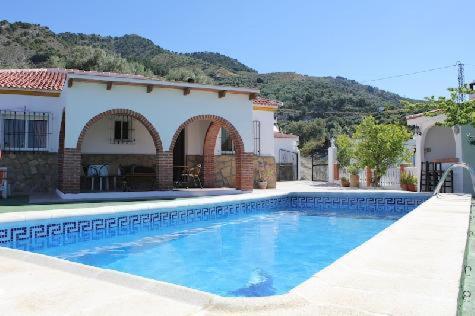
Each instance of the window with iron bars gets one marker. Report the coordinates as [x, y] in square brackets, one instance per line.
[256, 131]
[122, 130]
[24, 131]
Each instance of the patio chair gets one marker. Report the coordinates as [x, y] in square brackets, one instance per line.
[99, 171]
[194, 175]
[190, 175]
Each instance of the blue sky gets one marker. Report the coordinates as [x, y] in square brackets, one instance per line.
[360, 40]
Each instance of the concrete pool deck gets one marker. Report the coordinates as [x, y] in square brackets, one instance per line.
[411, 268]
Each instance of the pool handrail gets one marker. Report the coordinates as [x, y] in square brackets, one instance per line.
[453, 166]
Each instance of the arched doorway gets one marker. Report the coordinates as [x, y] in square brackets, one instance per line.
[116, 150]
[211, 127]
[439, 144]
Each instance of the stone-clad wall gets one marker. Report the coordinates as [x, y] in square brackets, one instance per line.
[225, 170]
[266, 163]
[30, 172]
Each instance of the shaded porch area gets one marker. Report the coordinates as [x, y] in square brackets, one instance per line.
[121, 151]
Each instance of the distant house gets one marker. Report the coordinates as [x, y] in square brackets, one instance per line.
[65, 130]
[437, 147]
[287, 155]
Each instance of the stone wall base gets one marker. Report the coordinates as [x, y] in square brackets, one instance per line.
[225, 170]
[30, 172]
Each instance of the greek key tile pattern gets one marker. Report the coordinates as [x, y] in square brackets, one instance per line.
[68, 230]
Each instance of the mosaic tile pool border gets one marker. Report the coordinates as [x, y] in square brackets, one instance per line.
[338, 203]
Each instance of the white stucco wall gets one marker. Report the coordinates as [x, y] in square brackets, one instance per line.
[52, 105]
[98, 140]
[267, 131]
[195, 136]
[439, 144]
[166, 109]
[289, 144]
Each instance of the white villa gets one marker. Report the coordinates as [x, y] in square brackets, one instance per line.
[438, 146]
[80, 131]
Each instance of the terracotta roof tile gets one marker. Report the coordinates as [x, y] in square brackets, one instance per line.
[283, 135]
[106, 74]
[35, 79]
[266, 102]
[413, 116]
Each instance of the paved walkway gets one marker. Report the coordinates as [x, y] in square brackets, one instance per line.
[467, 293]
[411, 268]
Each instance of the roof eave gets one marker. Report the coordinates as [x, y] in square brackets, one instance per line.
[158, 83]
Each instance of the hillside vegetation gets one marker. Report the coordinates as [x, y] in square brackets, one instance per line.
[315, 108]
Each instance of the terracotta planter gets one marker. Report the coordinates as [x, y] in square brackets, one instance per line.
[262, 184]
[355, 181]
[404, 186]
[411, 187]
[345, 183]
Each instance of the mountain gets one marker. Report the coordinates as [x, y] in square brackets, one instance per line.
[314, 107]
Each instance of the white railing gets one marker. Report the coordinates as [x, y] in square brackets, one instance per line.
[390, 180]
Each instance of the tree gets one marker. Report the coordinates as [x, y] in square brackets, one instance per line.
[345, 150]
[312, 134]
[89, 58]
[311, 146]
[378, 146]
[186, 74]
[456, 113]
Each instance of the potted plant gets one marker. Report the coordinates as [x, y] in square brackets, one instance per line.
[262, 180]
[403, 180]
[354, 176]
[344, 155]
[408, 182]
[344, 182]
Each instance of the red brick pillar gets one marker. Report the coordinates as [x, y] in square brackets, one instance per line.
[369, 176]
[208, 155]
[402, 167]
[208, 171]
[69, 170]
[336, 171]
[245, 171]
[165, 170]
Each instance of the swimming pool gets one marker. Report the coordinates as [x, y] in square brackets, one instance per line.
[253, 248]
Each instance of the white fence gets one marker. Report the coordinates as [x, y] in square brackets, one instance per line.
[390, 180]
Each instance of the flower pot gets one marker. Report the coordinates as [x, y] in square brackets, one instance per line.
[262, 184]
[345, 183]
[404, 186]
[355, 181]
[411, 187]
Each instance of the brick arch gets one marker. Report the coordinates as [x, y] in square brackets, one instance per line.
[139, 117]
[244, 161]
[218, 120]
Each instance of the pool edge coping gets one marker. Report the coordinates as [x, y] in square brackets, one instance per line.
[205, 300]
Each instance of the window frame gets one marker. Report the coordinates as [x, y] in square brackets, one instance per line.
[123, 120]
[226, 152]
[256, 126]
[26, 117]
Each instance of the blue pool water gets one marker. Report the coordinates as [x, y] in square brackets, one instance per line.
[259, 254]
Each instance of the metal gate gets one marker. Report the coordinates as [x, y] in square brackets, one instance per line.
[288, 165]
[319, 169]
